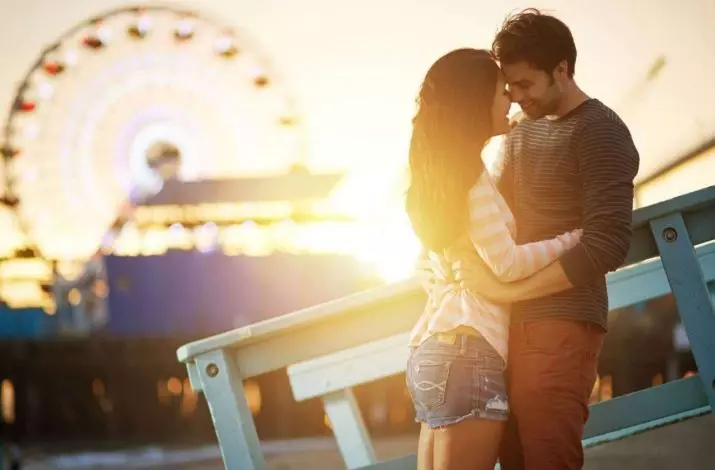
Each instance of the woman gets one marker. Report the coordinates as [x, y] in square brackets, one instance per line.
[455, 373]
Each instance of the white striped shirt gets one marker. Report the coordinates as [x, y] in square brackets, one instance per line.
[492, 231]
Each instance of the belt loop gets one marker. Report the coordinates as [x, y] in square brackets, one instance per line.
[463, 344]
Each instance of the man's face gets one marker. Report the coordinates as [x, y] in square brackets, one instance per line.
[537, 92]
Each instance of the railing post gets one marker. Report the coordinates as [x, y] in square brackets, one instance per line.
[349, 428]
[223, 387]
[692, 296]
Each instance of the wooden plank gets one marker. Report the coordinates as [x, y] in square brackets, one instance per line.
[639, 428]
[691, 293]
[349, 428]
[685, 204]
[379, 298]
[645, 405]
[194, 377]
[647, 280]
[222, 385]
[344, 369]
[698, 209]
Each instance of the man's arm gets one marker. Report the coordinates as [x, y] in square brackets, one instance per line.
[608, 162]
[548, 281]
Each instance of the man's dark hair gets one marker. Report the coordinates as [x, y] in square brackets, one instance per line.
[539, 39]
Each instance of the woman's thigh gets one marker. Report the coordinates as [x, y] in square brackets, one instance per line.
[468, 445]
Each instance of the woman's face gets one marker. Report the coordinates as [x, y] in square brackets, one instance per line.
[500, 108]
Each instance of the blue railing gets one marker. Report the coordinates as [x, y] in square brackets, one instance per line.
[332, 347]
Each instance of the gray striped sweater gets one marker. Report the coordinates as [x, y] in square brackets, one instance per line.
[573, 172]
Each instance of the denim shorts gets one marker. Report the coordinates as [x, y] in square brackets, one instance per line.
[454, 377]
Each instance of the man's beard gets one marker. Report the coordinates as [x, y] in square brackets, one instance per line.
[540, 110]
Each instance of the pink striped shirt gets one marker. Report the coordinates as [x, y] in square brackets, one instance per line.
[492, 231]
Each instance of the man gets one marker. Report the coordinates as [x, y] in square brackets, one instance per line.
[570, 164]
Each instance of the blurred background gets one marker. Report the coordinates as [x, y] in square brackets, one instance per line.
[176, 169]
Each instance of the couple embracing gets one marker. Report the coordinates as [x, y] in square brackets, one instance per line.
[504, 358]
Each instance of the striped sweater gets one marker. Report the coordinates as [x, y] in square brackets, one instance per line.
[573, 172]
[492, 232]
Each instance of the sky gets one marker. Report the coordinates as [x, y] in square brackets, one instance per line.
[354, 67]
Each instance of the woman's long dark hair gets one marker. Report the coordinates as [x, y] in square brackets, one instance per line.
[452, 125]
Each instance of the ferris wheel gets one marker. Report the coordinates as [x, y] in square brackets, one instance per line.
[124, 101]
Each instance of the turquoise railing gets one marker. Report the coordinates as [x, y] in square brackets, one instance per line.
[330, 348]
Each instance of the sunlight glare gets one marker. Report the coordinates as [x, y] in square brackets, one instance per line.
[381, 236]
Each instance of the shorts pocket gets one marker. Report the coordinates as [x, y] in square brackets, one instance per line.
[491, 395]
[427, 382]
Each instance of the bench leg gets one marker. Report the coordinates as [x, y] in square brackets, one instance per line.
[223, 387]
[349, 428]
[691, 293]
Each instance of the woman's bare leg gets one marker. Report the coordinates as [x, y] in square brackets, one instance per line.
[472, 444]
[425, 448]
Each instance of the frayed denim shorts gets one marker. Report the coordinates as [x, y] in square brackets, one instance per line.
[453, 377]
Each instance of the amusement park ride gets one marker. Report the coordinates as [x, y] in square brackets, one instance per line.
[148, 130]
[154, 170]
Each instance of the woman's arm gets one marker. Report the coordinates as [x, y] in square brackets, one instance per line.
[474, 276]
[493, 242]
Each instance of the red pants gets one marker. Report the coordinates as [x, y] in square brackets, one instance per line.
[551, 371]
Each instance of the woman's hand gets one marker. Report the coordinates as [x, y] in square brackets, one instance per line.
[514, 121]
[475, 276]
